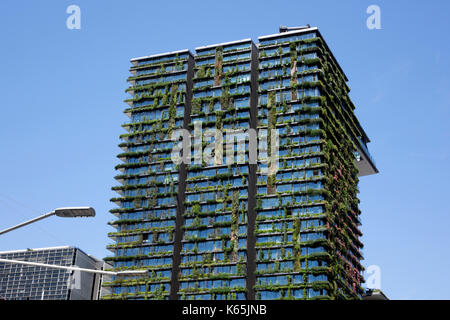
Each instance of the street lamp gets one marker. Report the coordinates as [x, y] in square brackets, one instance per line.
[69, 212]
[75, 212]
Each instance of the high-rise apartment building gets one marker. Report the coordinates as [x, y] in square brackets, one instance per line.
[28, 282]
[232, 226]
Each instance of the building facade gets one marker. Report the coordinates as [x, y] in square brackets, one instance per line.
[153, 187]
[26, 282]
[226, 227]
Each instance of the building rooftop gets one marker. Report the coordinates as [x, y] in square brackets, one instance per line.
[161, 55]
[222, 44]
[287, 33]
[47, 249]
[35, 249]
[304, 30]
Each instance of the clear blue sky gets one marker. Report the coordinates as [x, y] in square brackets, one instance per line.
[62, 97]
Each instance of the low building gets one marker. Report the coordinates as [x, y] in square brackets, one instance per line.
[26, 282]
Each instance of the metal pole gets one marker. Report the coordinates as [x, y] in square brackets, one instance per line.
[28, 222]
[59, 267]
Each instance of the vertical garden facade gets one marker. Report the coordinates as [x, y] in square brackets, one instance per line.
[290, 203]
[214, 245]
[222, 227]
[307, 222]
[152, 186]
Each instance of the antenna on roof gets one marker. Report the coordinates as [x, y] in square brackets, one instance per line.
[286, 29]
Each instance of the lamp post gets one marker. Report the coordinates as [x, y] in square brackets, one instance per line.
[69, 212]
